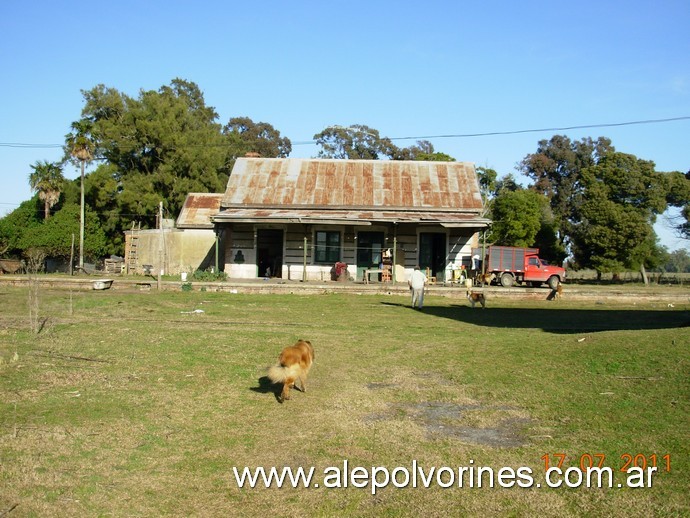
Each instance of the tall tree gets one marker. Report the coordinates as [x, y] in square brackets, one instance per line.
[356, 142]
[556, 168]
[159, 146]
[80, 146]
[521, 217]
[256, 137]
[546, 239]
[47, 180]
[102, 193]
[678, 195]
[360, 142]
[487, 187]
[507, 182]
[422, 150]
[517, 217]
[620, 199]
[678, 261]
[487, 181]
[25, 219]
[54, 237]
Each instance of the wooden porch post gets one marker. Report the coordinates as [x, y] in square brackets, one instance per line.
[304, 264]
[217, 232]
[395, 253]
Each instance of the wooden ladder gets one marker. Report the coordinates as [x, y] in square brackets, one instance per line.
[132, 252]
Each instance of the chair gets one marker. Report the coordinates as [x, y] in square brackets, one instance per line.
[430, 279]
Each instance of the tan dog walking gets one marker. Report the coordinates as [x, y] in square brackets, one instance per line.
[294, 363]
[474, 296]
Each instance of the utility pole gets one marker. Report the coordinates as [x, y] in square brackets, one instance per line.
[160, 244]
[71, 257]
[81, 221]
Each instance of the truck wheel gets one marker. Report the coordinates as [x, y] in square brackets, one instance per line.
[553, 282]
[507, 280]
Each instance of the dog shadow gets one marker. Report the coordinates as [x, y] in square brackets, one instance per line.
[266, 386]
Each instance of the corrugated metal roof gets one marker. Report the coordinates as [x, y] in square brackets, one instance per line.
[376, 184]
[198, 209]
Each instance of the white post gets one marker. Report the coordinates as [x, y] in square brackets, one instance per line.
[160, 244]
[81, 221]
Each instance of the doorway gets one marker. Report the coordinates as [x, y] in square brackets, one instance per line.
[369, 248]
[432, 254]
[269, 252]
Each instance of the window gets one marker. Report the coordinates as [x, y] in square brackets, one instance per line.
[327, 249]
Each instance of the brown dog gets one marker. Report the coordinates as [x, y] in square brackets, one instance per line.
[294, 364]
[557, 293]
[474, 296]
[487, 278]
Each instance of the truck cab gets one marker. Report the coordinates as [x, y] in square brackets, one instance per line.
[538, 271]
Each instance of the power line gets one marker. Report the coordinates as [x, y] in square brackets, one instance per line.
[454, 135]
[30, 146]
[540, 130]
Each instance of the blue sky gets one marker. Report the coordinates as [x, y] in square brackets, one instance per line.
[405, 68]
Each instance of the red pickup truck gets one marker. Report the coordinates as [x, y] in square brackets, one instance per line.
[513, 264]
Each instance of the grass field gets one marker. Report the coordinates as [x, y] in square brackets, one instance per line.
[141, 404]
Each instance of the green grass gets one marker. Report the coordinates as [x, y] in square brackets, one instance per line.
[130, 404]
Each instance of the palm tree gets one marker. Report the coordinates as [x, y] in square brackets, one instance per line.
[81, 147]
[47, 180]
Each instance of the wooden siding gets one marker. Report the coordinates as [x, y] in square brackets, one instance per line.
[241, 237]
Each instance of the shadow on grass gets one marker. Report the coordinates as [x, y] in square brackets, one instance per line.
[266, 386]
[562, 320]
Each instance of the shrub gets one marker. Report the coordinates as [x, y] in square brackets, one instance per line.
[209, 276]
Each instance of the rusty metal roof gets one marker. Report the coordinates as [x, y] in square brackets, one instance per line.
[198, 209]
[351, 191]
[280, 182]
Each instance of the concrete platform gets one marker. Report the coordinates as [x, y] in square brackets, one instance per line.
[621, 293]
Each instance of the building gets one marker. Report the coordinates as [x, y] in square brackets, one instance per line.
[296, 218]
[185, 245]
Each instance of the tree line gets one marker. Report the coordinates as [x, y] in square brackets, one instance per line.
[590, 203]
[585, 200]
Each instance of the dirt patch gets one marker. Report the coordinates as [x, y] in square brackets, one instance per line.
[380, 386]
[483, 425]
[495, 426]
